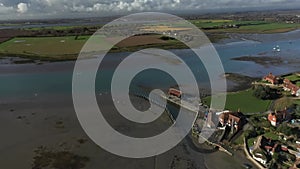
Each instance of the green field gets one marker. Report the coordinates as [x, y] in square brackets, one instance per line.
[203, 23]
[246, 26]
[271, 27]
[293, 77]
[245, 101]
[43, 46]
[214, 23]
[60, 48]
[68, 47]
[61, 27]
[53, 28]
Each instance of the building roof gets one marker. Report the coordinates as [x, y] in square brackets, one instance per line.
[278, 116]
[270, 77]
[236, 116]
[175, 92]
[288, 84]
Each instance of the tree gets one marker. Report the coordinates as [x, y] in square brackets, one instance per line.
[285, 129]
[276, 156]
[265, 124]
[265, 93]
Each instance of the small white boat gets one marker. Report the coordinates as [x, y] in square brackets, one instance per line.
[277, 48]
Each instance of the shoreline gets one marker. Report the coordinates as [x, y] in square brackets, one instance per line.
[215, 38]
[35, 112]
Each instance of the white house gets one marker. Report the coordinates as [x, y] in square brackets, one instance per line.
[260, 158]
[298, 93]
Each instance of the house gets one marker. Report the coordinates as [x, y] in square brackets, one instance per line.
[264, 148]
[174, 92]
[271, 78]
[231, 119]
[260, 156]
[296, 92]
[277, 117]
[271, 148]
[284, 148]
[289, 86]
[298, 145]
[286, 81]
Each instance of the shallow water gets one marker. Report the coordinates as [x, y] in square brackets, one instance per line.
[30, 79]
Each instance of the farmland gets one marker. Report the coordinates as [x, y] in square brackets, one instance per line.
[244, 26]
[58, 43]
[68, 47]
[44, 47]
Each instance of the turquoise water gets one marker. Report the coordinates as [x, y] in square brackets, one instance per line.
[30, 79]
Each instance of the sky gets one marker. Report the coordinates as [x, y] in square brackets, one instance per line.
[35, 9]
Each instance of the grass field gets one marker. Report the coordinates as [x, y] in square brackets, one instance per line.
[53, 27]
[68, 47]
[245, 101]
[293, 77]
[61, 48]
[43, 46]
[61, 27]
[270, 27]
[163, 28]
[216, 23]
[246, 26]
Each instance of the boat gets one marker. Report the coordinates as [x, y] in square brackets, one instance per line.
[277, 48]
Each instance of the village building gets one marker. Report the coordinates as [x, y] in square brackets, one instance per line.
[175, 92]
[260, 157]
[298, 145]
[289, 86]
[277, 117]
[271, 78]
[264, 148]
[231, 119]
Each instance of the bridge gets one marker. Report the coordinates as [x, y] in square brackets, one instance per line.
[158, 99]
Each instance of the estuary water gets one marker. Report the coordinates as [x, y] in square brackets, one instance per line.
[29, 80]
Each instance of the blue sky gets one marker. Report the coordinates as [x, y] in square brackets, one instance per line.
[32, 9]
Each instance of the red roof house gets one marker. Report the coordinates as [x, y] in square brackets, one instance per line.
[277, 117]
[271, 78]
[175, 92]
[231, 119]
[289, 86]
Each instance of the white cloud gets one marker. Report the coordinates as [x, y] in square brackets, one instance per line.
[66, 8]
[5, 9]
[22, 7]
[125, 6]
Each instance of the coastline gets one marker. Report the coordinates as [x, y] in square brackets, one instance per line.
[215, 38]
[37, 114]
